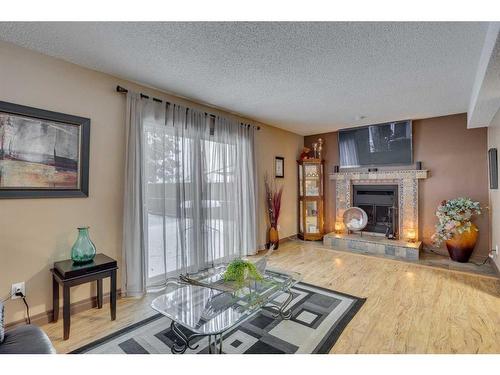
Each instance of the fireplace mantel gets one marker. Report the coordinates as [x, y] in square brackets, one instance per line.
[407, 181]
[413, 174]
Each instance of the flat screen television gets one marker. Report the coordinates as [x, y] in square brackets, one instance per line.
[376, 145]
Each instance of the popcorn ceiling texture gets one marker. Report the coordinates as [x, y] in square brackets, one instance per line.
[304, 77]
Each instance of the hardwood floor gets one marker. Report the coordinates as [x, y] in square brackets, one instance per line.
[409, 308]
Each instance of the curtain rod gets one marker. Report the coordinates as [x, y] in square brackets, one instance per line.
[123, 90]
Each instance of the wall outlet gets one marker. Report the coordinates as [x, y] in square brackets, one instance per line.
[18, 287]
[494, 252]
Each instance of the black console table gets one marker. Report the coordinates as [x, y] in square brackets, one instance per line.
[67, 274]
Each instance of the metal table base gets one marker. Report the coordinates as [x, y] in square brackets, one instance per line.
[180, 346]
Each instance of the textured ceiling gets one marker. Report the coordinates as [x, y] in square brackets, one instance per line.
[304, 77]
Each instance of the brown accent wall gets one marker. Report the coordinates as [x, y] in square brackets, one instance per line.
[457, 160]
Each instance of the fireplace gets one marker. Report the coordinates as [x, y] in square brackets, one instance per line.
[380, 202]
[405, 199]
[377, 192]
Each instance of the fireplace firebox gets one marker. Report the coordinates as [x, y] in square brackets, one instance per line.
[380, 202]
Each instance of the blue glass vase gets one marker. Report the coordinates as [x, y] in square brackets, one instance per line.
[83, 250]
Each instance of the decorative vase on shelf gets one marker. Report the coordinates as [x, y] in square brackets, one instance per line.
[461, 246]
[83, 250]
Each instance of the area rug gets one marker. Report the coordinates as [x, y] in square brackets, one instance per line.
[319, 317]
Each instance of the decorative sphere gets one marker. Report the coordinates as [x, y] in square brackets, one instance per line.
[355, 219]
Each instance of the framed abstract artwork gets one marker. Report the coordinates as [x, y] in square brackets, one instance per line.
[279, 167]
[42, 153]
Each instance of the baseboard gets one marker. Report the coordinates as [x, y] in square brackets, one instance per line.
[282, 240]
[287, 239]
[75, 308]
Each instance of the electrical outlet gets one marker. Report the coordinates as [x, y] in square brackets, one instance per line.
[494, 252]
[18, 287]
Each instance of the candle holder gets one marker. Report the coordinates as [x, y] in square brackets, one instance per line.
[411, 235]
[339, 227]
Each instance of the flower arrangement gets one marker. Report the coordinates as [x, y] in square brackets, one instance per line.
[454, 217]
[239, 270]
[273, 201]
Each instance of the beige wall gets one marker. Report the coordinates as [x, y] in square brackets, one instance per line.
[331, 156]
[36, 232]
[457, 161]
[273, 142]
[494, 141]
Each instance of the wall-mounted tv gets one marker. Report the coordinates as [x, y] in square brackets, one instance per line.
[376, 145]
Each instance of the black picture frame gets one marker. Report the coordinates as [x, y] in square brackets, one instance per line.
[83, 160]
[279, 167]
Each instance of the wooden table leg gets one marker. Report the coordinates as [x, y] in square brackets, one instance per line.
[66, 311]
[99, 293]
[55, 299]
[113, 295]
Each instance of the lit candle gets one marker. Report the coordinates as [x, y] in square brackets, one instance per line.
[338, 227]
[411, 235]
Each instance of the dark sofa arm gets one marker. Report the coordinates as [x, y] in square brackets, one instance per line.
[28, 339]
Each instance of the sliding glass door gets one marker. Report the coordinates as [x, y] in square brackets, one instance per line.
[160, 212]
[193, 198]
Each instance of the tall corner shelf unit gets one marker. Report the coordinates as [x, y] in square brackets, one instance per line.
[311, 199]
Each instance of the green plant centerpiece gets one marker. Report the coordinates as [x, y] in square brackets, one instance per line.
[455, 227]
[240, 270]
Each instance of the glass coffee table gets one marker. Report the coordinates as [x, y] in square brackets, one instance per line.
[211, 311]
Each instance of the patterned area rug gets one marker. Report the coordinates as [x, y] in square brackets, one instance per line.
[319, 317]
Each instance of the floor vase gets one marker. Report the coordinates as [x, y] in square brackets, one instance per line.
[461, 246]
[274, 239]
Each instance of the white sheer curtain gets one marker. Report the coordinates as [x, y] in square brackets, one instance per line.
[140, 113]
[198, 192]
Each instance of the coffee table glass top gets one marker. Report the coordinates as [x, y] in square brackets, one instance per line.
[209, 311]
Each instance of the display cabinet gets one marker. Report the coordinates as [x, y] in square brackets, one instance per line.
[311, 186]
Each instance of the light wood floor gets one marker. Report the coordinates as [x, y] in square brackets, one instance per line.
[409, 308]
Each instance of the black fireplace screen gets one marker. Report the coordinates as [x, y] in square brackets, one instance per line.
[380, 202]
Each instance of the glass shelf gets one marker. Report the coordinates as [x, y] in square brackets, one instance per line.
[312, 187]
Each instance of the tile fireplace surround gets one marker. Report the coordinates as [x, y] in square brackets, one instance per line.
[378, 245]
[407, 182]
